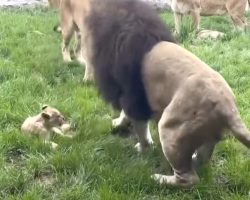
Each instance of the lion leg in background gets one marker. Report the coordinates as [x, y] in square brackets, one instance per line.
[239, 22]
[203, 154]
[144, 135]
[67, 34]
[196, 19]
[86, 54]
[67, 26]
[122, 120]
[237, 15]
[55, 4]
[178, 20]
[178, 152]
[78, 50]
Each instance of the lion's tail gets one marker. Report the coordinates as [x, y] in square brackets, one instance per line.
[238, 128]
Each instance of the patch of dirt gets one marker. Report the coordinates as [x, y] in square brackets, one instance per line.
[44, 178]
[15, 155]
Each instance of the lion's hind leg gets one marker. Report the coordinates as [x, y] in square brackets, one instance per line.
[236, 13]
[178, 148]
[203, 154]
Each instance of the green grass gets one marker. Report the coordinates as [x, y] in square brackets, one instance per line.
[96, 164]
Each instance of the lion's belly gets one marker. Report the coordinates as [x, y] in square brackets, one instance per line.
[210, 12]
[208, 7]
[216, 7]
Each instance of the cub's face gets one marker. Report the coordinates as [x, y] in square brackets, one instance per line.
[52, 117]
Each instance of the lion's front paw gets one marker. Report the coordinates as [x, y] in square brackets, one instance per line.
[117, 122]
[142, 148]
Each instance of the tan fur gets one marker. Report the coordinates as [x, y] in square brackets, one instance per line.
[192, 104]
[48, 121]
[73, 13]
[196, 8]
[54, 4]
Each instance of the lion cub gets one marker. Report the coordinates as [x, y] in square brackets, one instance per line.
[48, 121]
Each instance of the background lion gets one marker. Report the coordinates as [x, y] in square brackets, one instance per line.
[196, 8]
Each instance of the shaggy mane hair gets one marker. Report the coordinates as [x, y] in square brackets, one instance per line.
[122, 32]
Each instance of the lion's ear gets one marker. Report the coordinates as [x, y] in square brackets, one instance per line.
[46, 115]
[44, 106]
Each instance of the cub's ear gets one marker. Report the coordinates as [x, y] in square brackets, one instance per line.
[46, 115]
[44, 106]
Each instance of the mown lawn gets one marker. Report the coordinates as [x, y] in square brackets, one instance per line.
[96, 164]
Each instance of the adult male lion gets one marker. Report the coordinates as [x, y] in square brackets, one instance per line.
[138, 68]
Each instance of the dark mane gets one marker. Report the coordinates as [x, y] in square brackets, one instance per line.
[123, 31]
